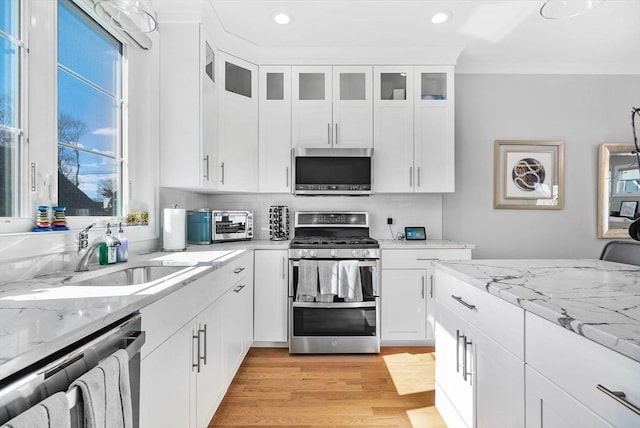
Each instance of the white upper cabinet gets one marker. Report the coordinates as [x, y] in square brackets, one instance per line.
[413, 129]
[332, 106]
[275, 130]
[237, 164]
[433, 129]
[352, 107]
[188, 107]
[393, 129]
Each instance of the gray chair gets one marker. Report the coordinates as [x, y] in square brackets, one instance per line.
[622, 252]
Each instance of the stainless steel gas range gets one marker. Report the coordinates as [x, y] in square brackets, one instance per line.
[334, 284]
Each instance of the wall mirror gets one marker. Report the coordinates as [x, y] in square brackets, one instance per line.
[618, 190]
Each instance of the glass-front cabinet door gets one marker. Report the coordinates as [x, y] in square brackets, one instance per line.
[353, 107]
[209, 109]
[393, 129]
[433, 130]
[274, 140]
[311, 124]
[332, 106]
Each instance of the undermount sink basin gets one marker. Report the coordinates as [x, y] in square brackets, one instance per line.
[127, 275]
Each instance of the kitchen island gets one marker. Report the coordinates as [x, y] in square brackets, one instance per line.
[559, 340]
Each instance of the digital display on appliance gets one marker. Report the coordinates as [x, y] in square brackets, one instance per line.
[415, 234]
[333, 170]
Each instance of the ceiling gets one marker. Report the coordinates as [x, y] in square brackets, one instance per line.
[491, 34]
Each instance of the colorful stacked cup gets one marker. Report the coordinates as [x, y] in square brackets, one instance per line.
[59, 218]
[42, 219]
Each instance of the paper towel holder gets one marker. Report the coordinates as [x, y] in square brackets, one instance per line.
[174, 229]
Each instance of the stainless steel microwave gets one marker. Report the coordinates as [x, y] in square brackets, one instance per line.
[231, 225]
[319, 171]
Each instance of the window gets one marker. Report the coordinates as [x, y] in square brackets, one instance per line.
[89, 115]
[10, 105]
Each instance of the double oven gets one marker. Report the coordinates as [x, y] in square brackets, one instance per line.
[334, 250]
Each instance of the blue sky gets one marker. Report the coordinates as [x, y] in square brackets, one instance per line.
[93, 56]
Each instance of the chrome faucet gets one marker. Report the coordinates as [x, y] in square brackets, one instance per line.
[86, 250]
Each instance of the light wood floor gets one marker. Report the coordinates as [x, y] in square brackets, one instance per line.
[273, 388]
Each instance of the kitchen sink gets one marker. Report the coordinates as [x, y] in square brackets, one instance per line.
[127, 275]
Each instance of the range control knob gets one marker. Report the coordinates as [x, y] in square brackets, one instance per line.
[313, 253]
[303, 253]
[333, 253]
[365, 253]
[354, 253]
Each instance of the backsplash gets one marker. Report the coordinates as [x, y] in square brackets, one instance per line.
[406, 209]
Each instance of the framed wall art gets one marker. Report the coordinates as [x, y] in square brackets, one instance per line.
[528, 175]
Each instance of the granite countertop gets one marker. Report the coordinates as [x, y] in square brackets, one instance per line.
[42, 315]
[596, 299]
[426, 244]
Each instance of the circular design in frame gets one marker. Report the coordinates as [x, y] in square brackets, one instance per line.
[528, 174]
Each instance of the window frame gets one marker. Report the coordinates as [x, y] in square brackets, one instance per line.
[122, 152]
[20, 128]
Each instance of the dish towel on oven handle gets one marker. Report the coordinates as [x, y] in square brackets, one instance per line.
[106, 393]
[307, 289]
[349, 282]
[53, 411]
[328, 280]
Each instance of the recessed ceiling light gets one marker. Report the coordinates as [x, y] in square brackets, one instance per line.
[440, 17]
[282, 18]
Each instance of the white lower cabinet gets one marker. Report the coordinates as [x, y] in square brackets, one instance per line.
[210, 380]
[480, 357]
[497, 377]
[548, 406]
[196, 340]
[166, 379]
[582, 371]
[408, 287]
[271, 292]
[403, 305]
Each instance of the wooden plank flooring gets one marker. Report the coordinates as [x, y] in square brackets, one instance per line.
[272, 388]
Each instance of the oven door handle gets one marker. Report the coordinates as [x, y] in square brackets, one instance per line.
[346, 305]
[361, 263]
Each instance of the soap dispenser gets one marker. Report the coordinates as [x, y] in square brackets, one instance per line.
[107, 254]
[122, 254]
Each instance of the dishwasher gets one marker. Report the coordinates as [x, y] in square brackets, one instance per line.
[55, 373]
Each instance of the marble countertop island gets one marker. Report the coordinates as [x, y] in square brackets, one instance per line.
[596, 299]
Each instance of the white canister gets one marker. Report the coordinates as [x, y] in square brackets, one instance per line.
[174, 229]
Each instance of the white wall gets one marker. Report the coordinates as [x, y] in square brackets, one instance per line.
[582, 110]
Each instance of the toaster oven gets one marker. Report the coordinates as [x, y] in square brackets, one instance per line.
[231, 225]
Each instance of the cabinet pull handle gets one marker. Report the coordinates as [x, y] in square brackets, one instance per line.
[204, 345]
[621, 398]
[196, 365]
[336, 134]
[458, 337]
[422, 292]
[431, 286]
[465, 373]
[239, 288]
[206, 161]
[427, 258]
[410, 176]
[222, 176]
[462, 302]
[418, 176]
[33, 176]
[329, 133]
[283, 266]
[287, 176]
[238, 270]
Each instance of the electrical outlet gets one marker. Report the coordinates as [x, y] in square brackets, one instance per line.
[389, 220]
